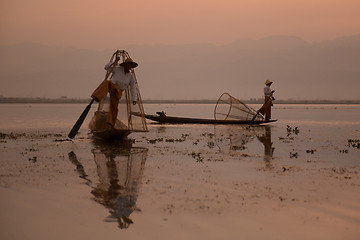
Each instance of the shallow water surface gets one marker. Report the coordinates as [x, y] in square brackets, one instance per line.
[300, 174]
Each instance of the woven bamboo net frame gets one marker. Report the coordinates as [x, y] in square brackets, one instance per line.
[230, 108]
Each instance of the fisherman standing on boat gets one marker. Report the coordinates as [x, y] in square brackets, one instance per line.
[266, 108]
[120, 80]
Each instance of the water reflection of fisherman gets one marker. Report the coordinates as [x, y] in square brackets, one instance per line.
[237, 140]
[266, 140]
[119, 170]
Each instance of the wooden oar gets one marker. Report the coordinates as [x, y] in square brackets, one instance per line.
[253, 119]
[80, 121]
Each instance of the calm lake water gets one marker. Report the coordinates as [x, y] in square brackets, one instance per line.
[63, 116]
[297, 175]
[326, 127]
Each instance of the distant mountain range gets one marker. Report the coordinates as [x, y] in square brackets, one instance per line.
[300, 70]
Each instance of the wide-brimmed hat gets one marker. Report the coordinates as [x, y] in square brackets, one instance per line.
[129, 62]
[268, 82]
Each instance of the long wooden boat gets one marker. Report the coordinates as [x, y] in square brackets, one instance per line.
[183, 120]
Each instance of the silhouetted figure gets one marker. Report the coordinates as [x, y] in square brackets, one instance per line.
[121, 78]
[268, 93]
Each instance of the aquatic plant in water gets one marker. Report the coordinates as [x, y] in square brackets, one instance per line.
[238, 147]
[291, 130]
[153, 141]
[294, 154]
[196, 142]
[312, 151]
[197, 156]
[33, 159]
[286, 139]
[211, 144]
[210, 135]
[355, 143]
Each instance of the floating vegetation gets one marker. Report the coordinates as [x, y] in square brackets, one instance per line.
[63, 140]
[312, 151]
[169, 140]
[286, 139]
[211, 144]
[153, 141]
[33, 159]
[11, 135]
[210, 135]
[291, 130]
[15, 136]
[197, 156]
[31, 149]
[185, 135]
[355, 143]
[235, 148]
[284, 169]
[294, 154]
[175, 140]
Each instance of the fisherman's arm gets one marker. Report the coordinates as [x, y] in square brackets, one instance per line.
[133, 90]
[110, 64]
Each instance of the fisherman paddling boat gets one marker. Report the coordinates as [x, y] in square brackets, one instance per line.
[182, 120]
[228, 110]
[118, 97]
[113, 118]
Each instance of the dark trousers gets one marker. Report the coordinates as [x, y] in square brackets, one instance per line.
[115, 94]
[266, 108]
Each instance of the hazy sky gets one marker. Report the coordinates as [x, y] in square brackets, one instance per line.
[113, 23]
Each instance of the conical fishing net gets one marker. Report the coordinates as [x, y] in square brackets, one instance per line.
[130, 117]
[230, 108]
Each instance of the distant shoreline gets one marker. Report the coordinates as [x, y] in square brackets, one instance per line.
[5, 100]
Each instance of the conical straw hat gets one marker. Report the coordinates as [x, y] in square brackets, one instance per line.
[129, 62]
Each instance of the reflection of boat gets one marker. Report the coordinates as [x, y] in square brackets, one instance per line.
[182, 120]
[228, 110]
[119, 169]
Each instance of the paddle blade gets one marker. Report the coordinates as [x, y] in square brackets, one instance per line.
[80, 121]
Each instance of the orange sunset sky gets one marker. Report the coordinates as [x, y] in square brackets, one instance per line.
[103, 24]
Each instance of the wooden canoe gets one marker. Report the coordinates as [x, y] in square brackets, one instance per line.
[183, 120]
